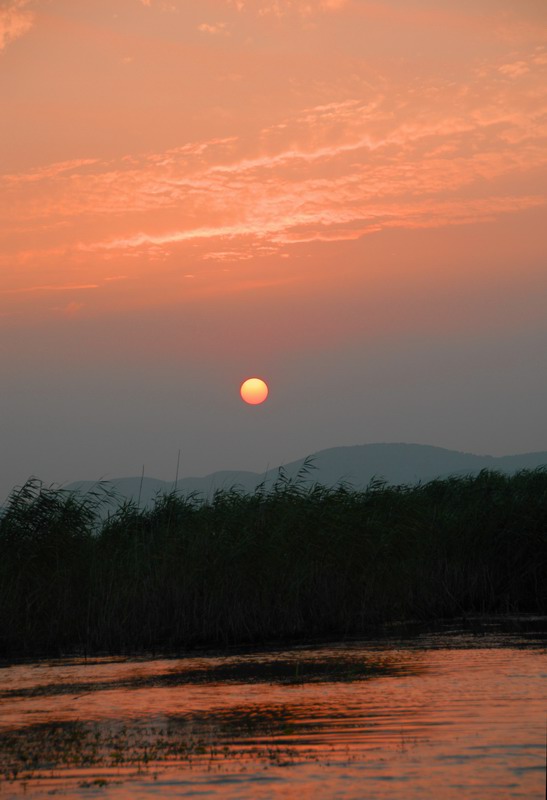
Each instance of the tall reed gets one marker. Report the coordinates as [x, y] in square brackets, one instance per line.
[293, 560]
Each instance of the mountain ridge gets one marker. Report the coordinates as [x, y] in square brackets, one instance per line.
[354, 465]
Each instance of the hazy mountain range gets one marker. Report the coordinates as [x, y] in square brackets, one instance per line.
[356, 466]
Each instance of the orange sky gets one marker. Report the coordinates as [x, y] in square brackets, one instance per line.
[241, 186]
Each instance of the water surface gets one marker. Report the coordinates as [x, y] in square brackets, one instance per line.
[424, 717]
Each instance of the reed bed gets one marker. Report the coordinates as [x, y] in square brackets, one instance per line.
[294, 560]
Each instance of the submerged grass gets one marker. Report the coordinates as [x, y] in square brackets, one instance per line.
[45, 751]
[293, 560]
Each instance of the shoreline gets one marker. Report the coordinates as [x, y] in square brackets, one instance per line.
[510, 624]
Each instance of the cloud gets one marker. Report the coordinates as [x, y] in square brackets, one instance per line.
[329, 225]
[15, 21]
[441, 154]
[215, 29]
[282, 8]
[72, 309]
[161, 5]
[51, 288]
[514, 70]
[50, 171]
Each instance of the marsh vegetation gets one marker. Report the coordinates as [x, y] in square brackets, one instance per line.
[78, 573]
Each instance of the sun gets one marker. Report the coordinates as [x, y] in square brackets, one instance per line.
[254, 391]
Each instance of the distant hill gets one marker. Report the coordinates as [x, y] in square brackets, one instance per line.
[356, 466]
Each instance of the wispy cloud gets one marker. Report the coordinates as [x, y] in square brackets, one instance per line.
[72, 309]
[15, 20]
[161, 5]
[515, 69]
[432, 153]
[50, 171]
[281, 8]
[51, 288]
[215, 29]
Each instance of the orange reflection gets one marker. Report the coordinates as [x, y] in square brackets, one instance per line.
[408, 719]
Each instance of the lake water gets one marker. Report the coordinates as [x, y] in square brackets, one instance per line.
[449, 715]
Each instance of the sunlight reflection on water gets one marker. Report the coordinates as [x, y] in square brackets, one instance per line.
[429, 717]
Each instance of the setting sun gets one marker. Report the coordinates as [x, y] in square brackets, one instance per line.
[254, 391]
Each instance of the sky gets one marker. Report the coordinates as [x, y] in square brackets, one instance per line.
[343, 197]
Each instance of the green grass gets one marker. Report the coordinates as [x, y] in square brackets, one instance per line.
[291, 561]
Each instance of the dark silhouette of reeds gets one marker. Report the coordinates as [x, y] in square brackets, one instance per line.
[294, 560]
